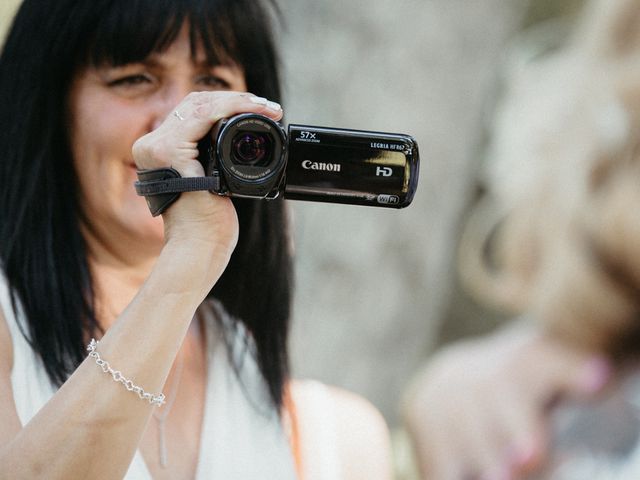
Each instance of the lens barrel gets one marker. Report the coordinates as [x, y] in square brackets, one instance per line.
[250, 153]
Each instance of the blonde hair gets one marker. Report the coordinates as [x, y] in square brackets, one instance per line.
[558, 236]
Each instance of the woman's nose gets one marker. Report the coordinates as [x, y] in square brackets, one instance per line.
[168, 99]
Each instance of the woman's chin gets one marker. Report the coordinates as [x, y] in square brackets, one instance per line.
[153, 232]
[148, 232]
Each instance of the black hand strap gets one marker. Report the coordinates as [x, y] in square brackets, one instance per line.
[162, 186]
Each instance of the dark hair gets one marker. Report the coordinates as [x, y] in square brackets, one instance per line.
[42, 250]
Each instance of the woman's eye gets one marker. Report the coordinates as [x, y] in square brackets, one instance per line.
[130, 80]
[211, 81]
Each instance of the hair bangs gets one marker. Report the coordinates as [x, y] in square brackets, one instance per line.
[128, 32]
[212, 29]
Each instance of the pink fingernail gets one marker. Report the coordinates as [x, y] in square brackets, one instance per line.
[523, 454]
[595, 374]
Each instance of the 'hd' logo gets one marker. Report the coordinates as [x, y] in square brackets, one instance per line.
[383, 171]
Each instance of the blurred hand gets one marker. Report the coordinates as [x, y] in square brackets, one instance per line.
[480, 409]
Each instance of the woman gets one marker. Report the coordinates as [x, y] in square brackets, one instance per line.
[195, 305]
[564, 251]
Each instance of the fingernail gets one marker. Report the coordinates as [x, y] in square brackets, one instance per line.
[259, 100]
[523, 455]
[595, 374]
[274, 106]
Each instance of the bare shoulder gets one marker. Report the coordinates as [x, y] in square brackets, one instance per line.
[8, 415]
[362, 436]
[6, 348]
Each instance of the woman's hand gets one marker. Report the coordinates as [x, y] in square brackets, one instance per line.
[200, 217]
[480, 409]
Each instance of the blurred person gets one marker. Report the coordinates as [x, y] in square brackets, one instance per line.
[194, 303]
[557, 240]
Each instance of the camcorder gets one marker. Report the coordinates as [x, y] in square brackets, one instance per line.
[254, 156]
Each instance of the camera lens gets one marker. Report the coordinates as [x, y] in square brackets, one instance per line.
[251, 148]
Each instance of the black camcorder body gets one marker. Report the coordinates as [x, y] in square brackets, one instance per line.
[254, 156]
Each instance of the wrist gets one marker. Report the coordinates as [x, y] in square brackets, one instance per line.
[201, 220]
[189, 266]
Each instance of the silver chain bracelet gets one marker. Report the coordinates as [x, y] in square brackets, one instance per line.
[117, 376]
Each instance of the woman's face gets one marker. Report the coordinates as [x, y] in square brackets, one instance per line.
[110, 108]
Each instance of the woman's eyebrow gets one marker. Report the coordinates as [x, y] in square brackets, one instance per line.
[153, 61]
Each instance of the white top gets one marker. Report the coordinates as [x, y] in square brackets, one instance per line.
[241, 438]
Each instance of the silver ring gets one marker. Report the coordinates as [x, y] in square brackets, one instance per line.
[177, 114]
